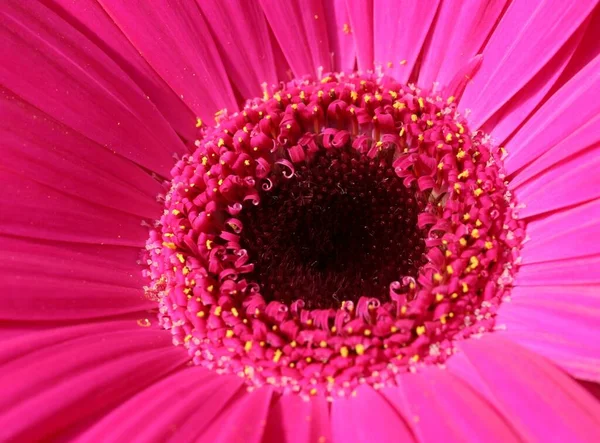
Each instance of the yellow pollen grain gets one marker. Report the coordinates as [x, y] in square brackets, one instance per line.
[198, 122]
[333, 329]
[288, 126]
[414, 117]
[475, 233]
[313, 391]
[235, 312]
[175, 212]
[277, 355]
[308, 359]
[489, 245]
[449, 270]
[451, 99]
[360, 349]
[402, 62]
[210, 289]
[169, 245]
[403, 309]
[449, 137]
[414, 358]
[293, 344]
[465, 287]
[460, 154]
[180, 257]
[461, 128]
[217, 311]
[367, 332]
[474, 261]
[187, 338]
[443, 319]
[478, 192]
[421, 103]
[463, 241]
[323, 344]
[248, 346]
[394, 329]
[448, 253]
[344, 351]
[247, 162]
[440, 165]
[200, 314]
[209, 244]
[464, 174]
[429, 123]
[439, 297]
[221, 143]
[467, 216]
[420, 330]
[478, 223]
[229, 333]
[437, 277]
[347, 29]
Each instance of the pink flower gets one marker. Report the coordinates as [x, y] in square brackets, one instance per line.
[376, 221]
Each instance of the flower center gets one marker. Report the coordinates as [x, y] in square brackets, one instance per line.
[333, 233]
[344, 226]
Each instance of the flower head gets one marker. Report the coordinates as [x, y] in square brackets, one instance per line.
[356, 220]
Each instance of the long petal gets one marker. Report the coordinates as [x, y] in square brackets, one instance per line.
[434, 402]
[294, 420]
[561, 323]
[541, 402]
[46, 391]
[360, 13]
[341, 41]
[57, 69]
[457, 36]
[368, 417]
[178, 45]
[400, 28]
[512, 57]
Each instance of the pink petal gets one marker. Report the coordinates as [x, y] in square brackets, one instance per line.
[51, 65]
[582, 137]
[341, 42]
[178, 45]
[93, 22]
[243, 421]
[566, 234]
[361, 25]
[578, 271]
[575, 181]
[458, 35]
[79, 282]
[539, 401]
[48, 390]
[400, 28]
[301, 30]
[368, 417]
[561, 323]
[441, 407]
[244, 43]
[48, 214]
[512, 56]
[512, 115]
[51, 154]
[174, 402]
[567, 110]
[294, 420]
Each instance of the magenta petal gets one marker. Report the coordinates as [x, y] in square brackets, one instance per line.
[341, 41]
[173, 403]
[564, 234]
[51, 65]
[51, 154]
[243, 41]
[48, 214]
[578, 271]
[294, 420]
[561, 323]
[79, 282]
[512, 56]
[244, 419]
[92, 21]
[519, 107]
[361, 27]
[48, 390]
[435, 403]
[368, 417]
[178, 45]
[400, 28]
[456, 37]
[301, 30]
[539, 401]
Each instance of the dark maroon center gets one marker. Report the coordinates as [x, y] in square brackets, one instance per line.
[343, 227]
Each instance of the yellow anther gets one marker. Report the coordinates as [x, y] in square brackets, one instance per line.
[218, 311]
[353, 95]
[449, 137]
[421, 103]
[461, 128]
[187, 338]
[429, 123]
[221, 142]
[346, 28]
[247, 162]
[313, 391]
[463, 241]
[229, 333]
[414, 117]
[489, 245]
[443, 319]
[248, 346]
[475, 233]
[175, 212]
[180, 257]
[333, 329]
[209, 244]
[394, 329]
[210, 289]
[478, 223]
[169, 245]
[464, 174]
[460, 154]
[293, 344]
[308, 359]
[474, 262]
[439, 297]
[478, 192]
[403, 309]
[449, 270]
[437, 277]
[402, 62]
[457, 187]
[367, 332]
[235, 312]
[414, 358]
[451, 99]
[200, 314]
[198, 123]
[402, 131]
[323, 344]
[360, 349]
[465, 287]
[277, 355]
[344, 351]
[467, 216]
[448, 253]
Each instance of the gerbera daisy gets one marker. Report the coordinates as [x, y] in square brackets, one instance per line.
[300, 221]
